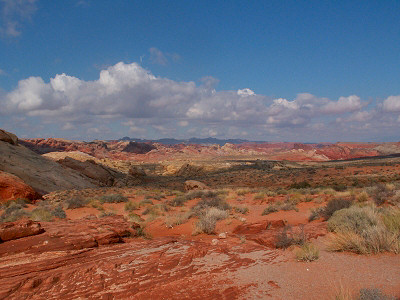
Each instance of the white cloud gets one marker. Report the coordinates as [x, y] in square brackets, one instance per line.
[133, 97]
[343, 105]
[14, 13]
[392, 104]
[157, 57]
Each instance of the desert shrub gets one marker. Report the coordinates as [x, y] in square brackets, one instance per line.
[146, 202]
[206, 203]
[107, 214]
[364, 230]
[300, 185]
[162, 207]
[380, 193]
[113, 198]
[270, 209]
[130, 206]
[315, 213]
[177, 201]
[42, 214]
[362, 197]
[307, 252]
[208, 220]
[287, 237]
[259, 196]
[392, 221]
[13, 212]
[277, 206]
[96, 204]
[133, 217]
[334, 205]
[241, 209]
[354, 219]
[151, 210]
[58, 212]
[204, 194]
[177, 219]
[373, 294]
[141, 232]
[242, 192]
[76, 202]
[339, 187]
[20, 201]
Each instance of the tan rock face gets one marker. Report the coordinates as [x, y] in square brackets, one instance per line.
[19, 229]
[12, 187]
[8, 137]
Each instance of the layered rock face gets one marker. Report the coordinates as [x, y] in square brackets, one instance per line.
[40, 173]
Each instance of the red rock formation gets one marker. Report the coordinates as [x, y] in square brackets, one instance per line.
[19, 229]
[12, 187]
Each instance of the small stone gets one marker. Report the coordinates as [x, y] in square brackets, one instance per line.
[214, 242]
[222, 235]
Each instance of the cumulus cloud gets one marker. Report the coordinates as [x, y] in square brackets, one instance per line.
[392, 104]
[142, 102]
[14, 13]
[343, 105]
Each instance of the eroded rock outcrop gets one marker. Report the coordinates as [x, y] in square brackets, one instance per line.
[12, 187]
[19, 229]
[8, 137]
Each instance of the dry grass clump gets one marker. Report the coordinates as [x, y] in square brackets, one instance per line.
[288, 237]
[241, 209]
[365, 230]
[364, 294]
[381, 193]
[277, 206]
[113, 198]
[13, 212]
[307, 252]
[335, 205]
[130, 206]
[76, 202]
[242, 192]
[208, 220]
[177, 219]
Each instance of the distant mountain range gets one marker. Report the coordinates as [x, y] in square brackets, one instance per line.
[205, 141]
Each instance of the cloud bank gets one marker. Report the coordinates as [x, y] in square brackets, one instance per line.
[128, 99]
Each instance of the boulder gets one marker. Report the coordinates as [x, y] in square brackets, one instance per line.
[8, 137]
[19, 229]
[195, 185]
[12, 187]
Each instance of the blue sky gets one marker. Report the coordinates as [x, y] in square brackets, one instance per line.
[270, 70]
